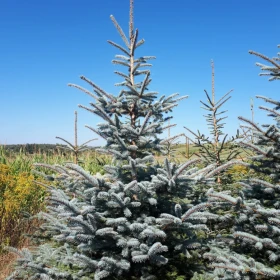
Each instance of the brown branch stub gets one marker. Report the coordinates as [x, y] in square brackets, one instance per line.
[131, 19]
[213, 81]
[76, 139]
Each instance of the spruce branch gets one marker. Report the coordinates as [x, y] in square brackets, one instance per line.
[144, 124]
[265, 58]
[139, 43]
[86, 175]
[194, 209]
[101, 91]
[144, 84]
[118, 47]
[251, 123]
[120, 62]
[97, 132]
[269, 100]
[226, 166]
[84, 90]
[183, 167]
[124, 38]
[122, 75]
[101, 111]
[67, 142]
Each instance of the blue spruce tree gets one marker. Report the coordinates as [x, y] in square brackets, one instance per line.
[218, 148]
[139, 220]
[253, 250]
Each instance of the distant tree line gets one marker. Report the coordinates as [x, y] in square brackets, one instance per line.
[35, 148]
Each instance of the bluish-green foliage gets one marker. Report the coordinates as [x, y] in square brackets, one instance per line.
[139, 219]
[253, 249]
[217, 148]
[145, 220]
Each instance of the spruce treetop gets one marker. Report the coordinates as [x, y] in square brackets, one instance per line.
[134, 118]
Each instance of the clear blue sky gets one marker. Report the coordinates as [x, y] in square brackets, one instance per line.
[48, 43]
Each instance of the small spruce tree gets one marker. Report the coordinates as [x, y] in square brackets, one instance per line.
[75, 148]
[216, 149]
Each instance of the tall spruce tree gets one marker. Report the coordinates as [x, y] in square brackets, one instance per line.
[139, 220]
[253, 251]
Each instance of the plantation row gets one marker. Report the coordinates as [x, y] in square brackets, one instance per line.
[22, 198]
[143, 212]
[33, 148]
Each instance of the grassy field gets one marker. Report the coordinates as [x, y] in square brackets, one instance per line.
[182, 152]
[23, 161]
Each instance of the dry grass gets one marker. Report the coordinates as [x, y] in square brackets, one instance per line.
[6, 264]
[7, 260]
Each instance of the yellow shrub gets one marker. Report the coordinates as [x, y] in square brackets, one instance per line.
[18, 195]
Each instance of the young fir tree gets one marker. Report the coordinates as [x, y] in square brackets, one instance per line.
[216, 149]
[254, 250]
[75, 149]
[139, 220]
